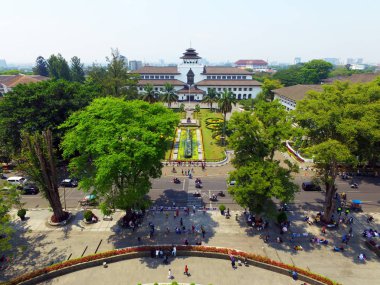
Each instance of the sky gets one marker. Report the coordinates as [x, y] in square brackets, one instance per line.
[220, 30]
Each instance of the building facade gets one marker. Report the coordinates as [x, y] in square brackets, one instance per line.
[7, 82]
[257, 65]
[192, 80]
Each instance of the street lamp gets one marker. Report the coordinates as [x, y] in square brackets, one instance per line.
[189, 93]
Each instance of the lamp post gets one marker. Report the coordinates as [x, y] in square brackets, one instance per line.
[189, 94]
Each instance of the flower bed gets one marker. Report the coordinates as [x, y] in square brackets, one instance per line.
[132, 252]
[213, 121]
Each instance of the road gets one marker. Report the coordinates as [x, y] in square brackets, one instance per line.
[164, 192]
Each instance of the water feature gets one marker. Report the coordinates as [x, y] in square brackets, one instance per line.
[188, 144]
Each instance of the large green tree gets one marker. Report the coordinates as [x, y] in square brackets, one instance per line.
[115, 147]
[344, 117]
[9, 196]
[38, 106]
[267, 87]
[225, 101]
[77, 72]
[41, 67]
[58, 67]
[168, 95]
[255, 136]
[211, 97]
[114, 78]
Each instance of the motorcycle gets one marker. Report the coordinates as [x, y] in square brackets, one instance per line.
[197, 180]
[221, 194]
[354, 185]
[213, 198]
[198, 185]
[176, 181]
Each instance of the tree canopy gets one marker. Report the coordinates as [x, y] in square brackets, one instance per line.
[116, 146]
[114, 78]
[344, 117]
[77, 72]
[255, 138]
[41, 67]
[58, 67]
[38, 106]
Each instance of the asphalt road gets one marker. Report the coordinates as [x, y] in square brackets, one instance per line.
[164, 192]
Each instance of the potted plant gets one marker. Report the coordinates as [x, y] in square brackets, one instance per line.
[21, 213]
[88, 216]
[222, 208]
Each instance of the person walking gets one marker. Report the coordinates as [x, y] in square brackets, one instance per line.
[181, 222]
[170, 276]
[186, 272]
[174, 251]
[203, 231]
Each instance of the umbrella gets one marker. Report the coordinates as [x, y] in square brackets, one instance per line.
[356, 201]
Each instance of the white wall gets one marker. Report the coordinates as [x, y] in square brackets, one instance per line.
[289, 104]
[184, 68]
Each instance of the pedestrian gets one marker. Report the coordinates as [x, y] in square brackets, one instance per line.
[177, 211]
[295, 275]
[193, 228]
[339, 210]
[181, 222]
[182, 171]
[186, 272]
[174, 251]
[347, 212]
[170, 276]
[233, 262]
[351, 220]
[324, 230]
[350, 231]
[203, 231]
[194, 208]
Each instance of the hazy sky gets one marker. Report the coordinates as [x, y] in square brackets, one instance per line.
[220, 30]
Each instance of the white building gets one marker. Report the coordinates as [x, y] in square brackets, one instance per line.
[288, 96]
[7, 82]
[192, 80]
[257, 65]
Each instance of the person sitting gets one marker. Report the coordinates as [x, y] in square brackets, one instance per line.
[279, 240]
[362, 257]
[369, 219]
[298, 247]
[245, 261]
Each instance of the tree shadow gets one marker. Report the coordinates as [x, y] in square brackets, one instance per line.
[125, 237]
[168, 196]
[27, 251]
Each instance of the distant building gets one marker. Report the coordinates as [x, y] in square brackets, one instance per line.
[354, 78]
[135, 64]
[192, 79]
[332, 60]
[7, 82]
[257, 65]
[357, 66]
[3, 63]
[297, 60]
[288, 96]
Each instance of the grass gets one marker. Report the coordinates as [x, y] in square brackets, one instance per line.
[213, 151]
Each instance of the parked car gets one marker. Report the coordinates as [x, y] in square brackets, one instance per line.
[30, 189]
[16, 180]
[310, 186]
[69, 183]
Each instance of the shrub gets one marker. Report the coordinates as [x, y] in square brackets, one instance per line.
[21, 213]
[282, 217]
[88, 215]
[222, 208]
[105, 209]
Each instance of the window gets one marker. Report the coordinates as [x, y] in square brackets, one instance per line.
[233, 77]
[152, 77]
[245, 89]
[141, 88]
[214, 77]
[162, 77]
[239, 90]
[238, 77]
[161, 88]
[208, 77]
[156, 88]
[219, 77]
[223, 77]
[228, 77]
[243, 77]
[171, 76]
[157, 77]
[250, 89]
[166, 76]
[229, 89]
[224, 89]
[219, 89]
[234, 89]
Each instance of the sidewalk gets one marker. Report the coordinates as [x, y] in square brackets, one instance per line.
[39, 244]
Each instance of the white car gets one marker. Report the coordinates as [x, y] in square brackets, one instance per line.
[16, 180]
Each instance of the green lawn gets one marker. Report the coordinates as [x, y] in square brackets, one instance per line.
[213, 151]
[181, 150]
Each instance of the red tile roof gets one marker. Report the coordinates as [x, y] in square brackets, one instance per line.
[192, 91]
[157, 70]
[251, 62]
[296, 92]
[228, 83]
[160, 82]
[13, 80]
[225, 70]
[354, 78]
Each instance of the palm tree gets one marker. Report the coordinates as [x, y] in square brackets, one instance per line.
[225, 101]
[197, 109]
[211, 97]
[169, 96]
[149, 94]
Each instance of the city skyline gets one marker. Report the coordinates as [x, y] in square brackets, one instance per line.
[161, 30]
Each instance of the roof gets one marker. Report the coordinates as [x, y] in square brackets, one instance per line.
[193, 90]
[354, 78]
[228, 83]
[190, 54]
[296, 92]
[159, 82]
[251, 62]
[225, 70]
[13, 80]
[157, 70]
